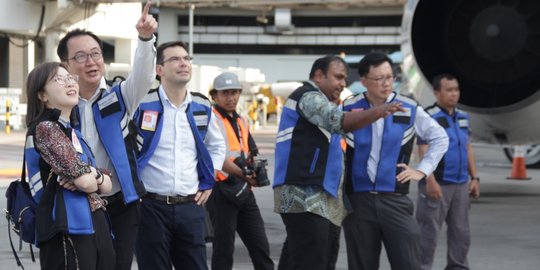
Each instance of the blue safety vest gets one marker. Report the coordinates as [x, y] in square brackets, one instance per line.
[397, 144]
[59, 210]
[453, 167]
[199, 113]
[117, 135]
[306, 154]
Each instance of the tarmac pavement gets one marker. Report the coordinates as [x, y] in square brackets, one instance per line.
[505, 221]
[11, 150]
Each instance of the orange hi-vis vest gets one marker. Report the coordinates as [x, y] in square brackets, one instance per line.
[234, 146]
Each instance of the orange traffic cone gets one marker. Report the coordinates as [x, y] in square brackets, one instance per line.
[519, 171]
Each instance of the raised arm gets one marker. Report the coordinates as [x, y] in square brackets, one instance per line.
[143, 73]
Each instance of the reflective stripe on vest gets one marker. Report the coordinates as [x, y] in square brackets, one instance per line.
[234, 146]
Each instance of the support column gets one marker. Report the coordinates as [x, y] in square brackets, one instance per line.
[168, 25]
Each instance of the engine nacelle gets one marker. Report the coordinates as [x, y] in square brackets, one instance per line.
[493, 48]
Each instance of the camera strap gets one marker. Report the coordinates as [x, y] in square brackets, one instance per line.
[240, 139]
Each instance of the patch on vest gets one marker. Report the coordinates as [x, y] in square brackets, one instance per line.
[109, 104]
[463, 123]
[201, 120]
[402, 117]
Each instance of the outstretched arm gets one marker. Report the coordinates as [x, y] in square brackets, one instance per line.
[319, 111]
[354, 120]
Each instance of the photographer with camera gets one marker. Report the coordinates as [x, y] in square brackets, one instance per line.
[232, 205]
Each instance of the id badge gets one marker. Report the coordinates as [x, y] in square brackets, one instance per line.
[149, 120]
[76, 142]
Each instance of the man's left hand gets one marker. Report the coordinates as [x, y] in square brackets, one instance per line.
[202, 196]
[147, 25]
[474, 189]
[408, 174]
[251, 180]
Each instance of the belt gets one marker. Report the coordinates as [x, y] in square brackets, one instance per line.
[386, 193]
[176, 199]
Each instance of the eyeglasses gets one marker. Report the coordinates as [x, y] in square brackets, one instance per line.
[83, 57]
[177, 59]
[66, 79]
[382, 80]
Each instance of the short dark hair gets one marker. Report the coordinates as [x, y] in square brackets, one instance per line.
[373, 59]
[437, 80]
[62, 50]
[35, 84]
[166, 45]
[212, 92]
[323, 64]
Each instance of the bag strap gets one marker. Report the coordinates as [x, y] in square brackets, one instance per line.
[23, 179]
[12, 247]
[23, 170]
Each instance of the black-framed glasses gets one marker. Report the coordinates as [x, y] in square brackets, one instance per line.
[382, 80]
[177, 59]
[83, 57]
[66, 79]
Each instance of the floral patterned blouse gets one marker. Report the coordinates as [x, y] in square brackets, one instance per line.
[59, 153]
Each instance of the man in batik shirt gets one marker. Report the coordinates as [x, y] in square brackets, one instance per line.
[309, 163]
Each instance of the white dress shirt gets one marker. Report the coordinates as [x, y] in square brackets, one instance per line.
[133, 89]
[426, 128]
[172, 169]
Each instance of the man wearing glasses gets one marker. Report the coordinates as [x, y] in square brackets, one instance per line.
[104, 119]
[180, 145]
[378, 175]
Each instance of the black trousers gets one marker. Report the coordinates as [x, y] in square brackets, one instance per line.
[125, 223]
[377, 219]
[88, 252]
[171, 235]
[333, 237]
[308, 241]
[229, 218]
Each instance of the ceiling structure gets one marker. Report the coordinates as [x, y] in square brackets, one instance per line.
[266, 4]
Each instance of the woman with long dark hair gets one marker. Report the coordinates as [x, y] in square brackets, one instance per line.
[71, 222]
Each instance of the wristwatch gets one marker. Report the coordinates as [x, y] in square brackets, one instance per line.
[475, 178]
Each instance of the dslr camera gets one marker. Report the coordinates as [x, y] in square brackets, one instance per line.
[258, 167]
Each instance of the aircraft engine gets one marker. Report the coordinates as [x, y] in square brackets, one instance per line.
[493, 48]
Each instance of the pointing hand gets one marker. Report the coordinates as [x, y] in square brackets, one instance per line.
[147, 25]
